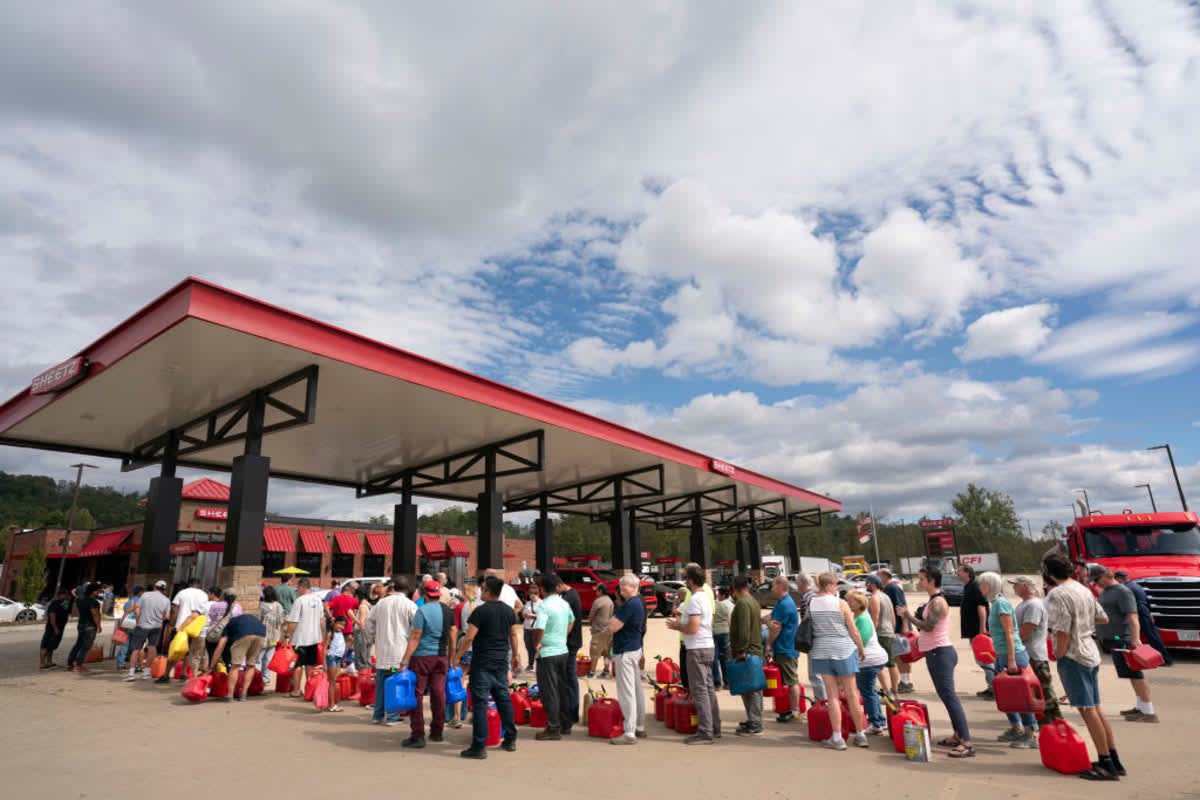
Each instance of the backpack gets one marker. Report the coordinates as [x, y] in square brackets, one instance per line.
[447, 624]
[804, 635]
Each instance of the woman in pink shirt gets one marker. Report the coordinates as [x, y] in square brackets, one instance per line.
[932, 621]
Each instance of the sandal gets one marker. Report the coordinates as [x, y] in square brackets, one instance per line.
[295, 694]
[335, 708]
[950, 741]
[962, 751]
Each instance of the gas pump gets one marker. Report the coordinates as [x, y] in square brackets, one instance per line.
[590, 560]
[669, 568]
[726, 570]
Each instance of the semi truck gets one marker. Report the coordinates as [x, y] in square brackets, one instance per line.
[1161, 551]
[781, 565]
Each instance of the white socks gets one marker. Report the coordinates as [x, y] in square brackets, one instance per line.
[1145, 707]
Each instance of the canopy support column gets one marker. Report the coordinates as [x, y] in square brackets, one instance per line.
[635, 542]
[543, 539]
[754, 549]
[404, 533]
[740, 550]
[491, 519]
[161, 527]
[618, 523]
[793, 545]
[698, 537]
[241, 567]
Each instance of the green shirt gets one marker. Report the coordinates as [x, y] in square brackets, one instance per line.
[866, 628]
[286, 595]
[554, 618]
[745, 629]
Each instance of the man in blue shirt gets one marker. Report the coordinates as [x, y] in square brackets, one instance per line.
[628, 626]
[783, 622]
[428, 656]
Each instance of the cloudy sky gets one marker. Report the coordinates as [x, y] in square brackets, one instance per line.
[879, 250]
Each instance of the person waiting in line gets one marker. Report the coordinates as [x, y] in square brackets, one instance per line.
[190, 603]
[128, 618]
[900, 672]
[1146, 623]
[492, 631]
[574, 644]
[972, 621]
[932, 622]
[222, 607]
[600, 638]
[88, 627]
[1073, 613]
[873, 661]
[687, 596]
[389, 626]
[285, 593]
[551, 628]
[744, 641]
[883, 618]
[628, 626]
[1031, 628]
[428, 657]
[837, 651]
[1123, 632]
[695, 623]
[804, 585]
[304, 630]
[782, 622]
[270, 614]
[335, 654]
[721, 614]
[362, 642]
[57, 615]
[152, 609]
[456, 714]
[1011, 655]
[242, 642]
[528, 616]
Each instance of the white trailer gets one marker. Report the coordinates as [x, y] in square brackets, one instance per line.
[980, 562]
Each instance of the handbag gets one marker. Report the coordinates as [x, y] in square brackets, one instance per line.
[900, 646]
[746, 675]
[804, 635]
[215, 629]
[120, 636]
[129, 622]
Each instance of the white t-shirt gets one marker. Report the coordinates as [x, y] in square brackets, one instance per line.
[307, 612]
[508, 596]
[699, 606]
[190, 601]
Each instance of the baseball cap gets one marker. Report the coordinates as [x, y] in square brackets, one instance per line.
[160, 584]
[873, 580]
[433, 589]
[1023, 580]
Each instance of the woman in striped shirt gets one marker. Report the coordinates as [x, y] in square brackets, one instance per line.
[837, 650]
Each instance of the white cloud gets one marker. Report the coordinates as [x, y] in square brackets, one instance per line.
[1122, 345]
[1019, 331]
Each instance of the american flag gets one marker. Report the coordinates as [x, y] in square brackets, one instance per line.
[866, 527]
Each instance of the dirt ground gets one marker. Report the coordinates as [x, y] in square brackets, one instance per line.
[72, 736]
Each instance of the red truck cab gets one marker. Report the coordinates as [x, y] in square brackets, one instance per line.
[1160, 551]
[585, 579]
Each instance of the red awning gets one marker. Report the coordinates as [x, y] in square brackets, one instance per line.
[431, 546]
[380, 544]
[277, 539]
[314, 541]
[348, 542]
[457, 547]
[103, 544]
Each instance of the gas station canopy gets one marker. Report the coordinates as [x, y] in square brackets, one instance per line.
[344, 410]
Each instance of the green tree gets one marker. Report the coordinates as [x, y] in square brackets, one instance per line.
[1053, 530]
[83, 520]
[32, 578]
[380, 519]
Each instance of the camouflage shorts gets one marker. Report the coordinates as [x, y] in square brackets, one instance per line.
[1042, 670]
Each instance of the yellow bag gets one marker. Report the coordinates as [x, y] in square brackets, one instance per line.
[179, 647]
[195, 626]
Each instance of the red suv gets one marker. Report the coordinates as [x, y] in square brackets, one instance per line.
[584, 580]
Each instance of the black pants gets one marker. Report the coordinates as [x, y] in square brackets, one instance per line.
[572, 686]
[683, 679]
[83, 643]
[552, 674]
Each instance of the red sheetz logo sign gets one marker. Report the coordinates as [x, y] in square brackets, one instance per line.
[723, 467]
[58, 378]
[937, 524]
[212, 513]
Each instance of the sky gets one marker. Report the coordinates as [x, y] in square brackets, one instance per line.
[877, 250]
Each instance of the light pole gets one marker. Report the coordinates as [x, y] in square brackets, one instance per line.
[1086, 501]
[1146, 486]
[62, 543]
[1175, 472]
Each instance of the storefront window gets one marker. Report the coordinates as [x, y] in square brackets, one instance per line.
[373, 566]
[310, 563]
[343, 565]
[271, 562]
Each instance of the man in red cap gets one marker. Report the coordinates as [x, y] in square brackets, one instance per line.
[428, 657]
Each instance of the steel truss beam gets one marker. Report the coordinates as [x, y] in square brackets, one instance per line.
[217, 427]
[468, 465]
[636, 484]
[765, 515]
[677, 511]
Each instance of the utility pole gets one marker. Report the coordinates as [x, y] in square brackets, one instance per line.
[1146, 486]
[875, 532]
[62, 543]
[1175, 472]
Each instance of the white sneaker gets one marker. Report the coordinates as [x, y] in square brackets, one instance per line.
[130, 677]
[840, 744]
[860, 740]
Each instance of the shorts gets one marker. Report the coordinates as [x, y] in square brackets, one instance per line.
[888, 643]
[306, 655]
[838, 667]
[334, 662]
[1123, 670]
[1082, 683]
[788, 673]
[138, 638]
[246, 650]
[51, 640]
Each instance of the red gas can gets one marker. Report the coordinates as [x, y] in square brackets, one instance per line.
[1144, 657]
[1050, 648]
[674, 699]
[582, 666]
[366, 689]
[1019, 693]
[819, 726]
[984, 650]
[520, 704]
[1063, 749]
[783, 701]
[347, 686]
[685, 716]
[220, 684]
[493, 720]
[667, 671]
[914, 651]
[775, 686]
[283, 682]
[605, 720]
[537, 714]
[910, 711]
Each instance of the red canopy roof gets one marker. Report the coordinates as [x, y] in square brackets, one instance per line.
[431, 546]
[380, 544]
[206, 489]
[278, 539]
[457, 546]
[348, 542]
[314, 541]
[103, 544]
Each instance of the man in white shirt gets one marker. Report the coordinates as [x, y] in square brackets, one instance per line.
[305, 630]
[189, 603]
[389, 625]
[695, 623]
[148, 630]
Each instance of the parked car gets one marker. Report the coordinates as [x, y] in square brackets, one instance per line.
[15, 611]
[585, 579]
[363, 583]
[952, 588]
[667, 593]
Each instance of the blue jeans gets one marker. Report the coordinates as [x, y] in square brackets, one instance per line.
[941, 662]
[572, 688]
[490, 684]
[122, 655]
[721, 641]
[867, 680]
[377, 713]
[1027, 721]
